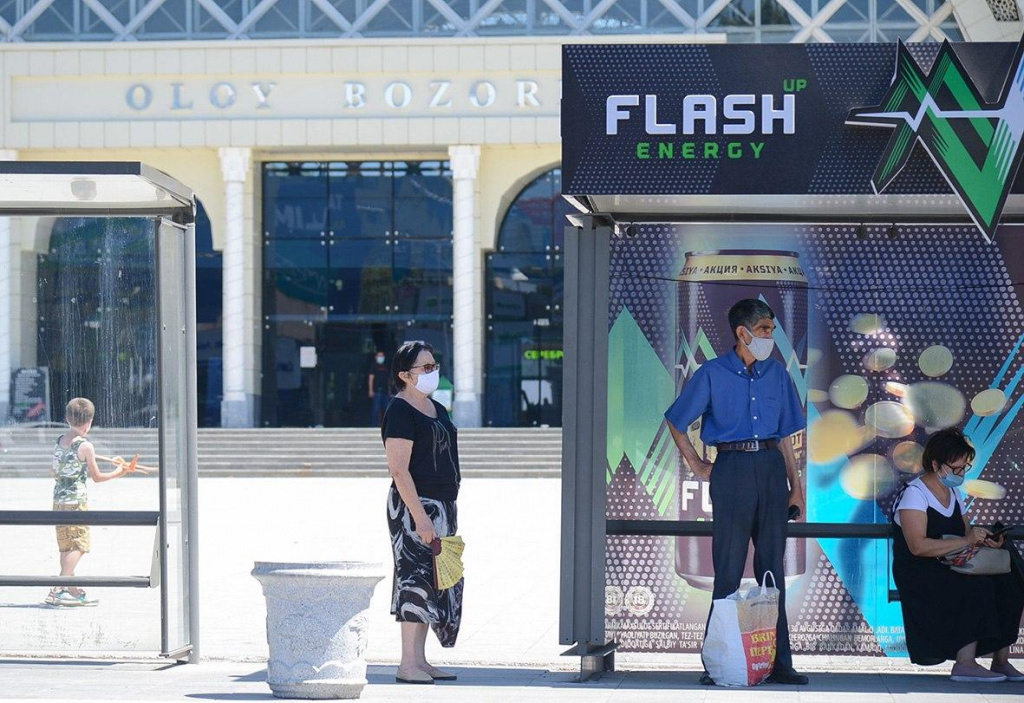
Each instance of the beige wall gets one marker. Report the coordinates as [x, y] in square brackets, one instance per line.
[199, 169]
[504, 171]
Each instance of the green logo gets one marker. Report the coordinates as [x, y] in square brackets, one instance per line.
[977, 146]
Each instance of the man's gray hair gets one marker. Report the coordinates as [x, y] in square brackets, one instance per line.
[747, 313]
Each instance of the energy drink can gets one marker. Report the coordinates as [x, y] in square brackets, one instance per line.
[710, 283]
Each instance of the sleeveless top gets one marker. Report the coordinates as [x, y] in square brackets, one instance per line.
[70, 472]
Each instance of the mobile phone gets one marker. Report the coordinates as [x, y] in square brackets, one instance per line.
[998, 529]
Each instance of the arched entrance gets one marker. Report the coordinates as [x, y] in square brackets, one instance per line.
[524, 309]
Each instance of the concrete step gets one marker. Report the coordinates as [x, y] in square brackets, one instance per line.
[513, 452]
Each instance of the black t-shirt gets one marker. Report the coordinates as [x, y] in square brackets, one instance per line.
[434, 464]
[380, 377]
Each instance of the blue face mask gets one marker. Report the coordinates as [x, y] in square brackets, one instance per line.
[951, 480]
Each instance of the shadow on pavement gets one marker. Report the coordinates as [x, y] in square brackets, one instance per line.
[258, 676]
[232, 696]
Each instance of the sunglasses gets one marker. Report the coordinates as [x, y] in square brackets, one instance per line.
[427, 368]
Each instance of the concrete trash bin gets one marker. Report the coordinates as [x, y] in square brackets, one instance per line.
[316, 626]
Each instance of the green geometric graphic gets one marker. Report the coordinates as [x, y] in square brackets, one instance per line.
[975, 145]
[640, 388]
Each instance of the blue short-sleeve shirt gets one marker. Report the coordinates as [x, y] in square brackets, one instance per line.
[738, 404]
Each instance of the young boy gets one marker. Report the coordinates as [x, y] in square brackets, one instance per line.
[73, 460]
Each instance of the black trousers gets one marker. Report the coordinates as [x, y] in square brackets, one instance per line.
[750, 501]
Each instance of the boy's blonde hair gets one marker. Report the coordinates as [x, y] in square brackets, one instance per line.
[79, 412]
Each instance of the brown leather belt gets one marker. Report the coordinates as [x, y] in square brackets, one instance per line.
[750, 445]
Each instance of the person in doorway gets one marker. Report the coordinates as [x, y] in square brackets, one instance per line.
[74, 460]
[749, 410]
[421, 445]
[377, 387]
[948, 615]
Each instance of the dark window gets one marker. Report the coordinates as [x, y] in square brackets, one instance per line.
[357, 259]
[209, 323]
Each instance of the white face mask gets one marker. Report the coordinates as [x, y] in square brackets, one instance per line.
[760, 348]
[427, 382]
[380, 359]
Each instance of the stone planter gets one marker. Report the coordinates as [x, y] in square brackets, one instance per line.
[316, 626]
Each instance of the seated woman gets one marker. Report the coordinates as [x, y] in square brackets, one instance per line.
[948, 615]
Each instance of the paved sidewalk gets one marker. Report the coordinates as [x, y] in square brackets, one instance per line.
[507, 651]
[145, 682]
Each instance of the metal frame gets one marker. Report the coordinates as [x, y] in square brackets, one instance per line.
[228, 19]
[174, 207]
[584, 437]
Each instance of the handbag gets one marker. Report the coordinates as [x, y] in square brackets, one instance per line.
[977, 560]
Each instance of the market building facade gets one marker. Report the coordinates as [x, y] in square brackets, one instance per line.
[369, 173]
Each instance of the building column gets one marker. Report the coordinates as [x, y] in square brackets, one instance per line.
[6, 309]
[238, 408]
[467, 327]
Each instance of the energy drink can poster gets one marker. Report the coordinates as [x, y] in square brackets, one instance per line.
[886, 339]
[709, 283]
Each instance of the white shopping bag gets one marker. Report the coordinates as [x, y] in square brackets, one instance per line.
[739, 645]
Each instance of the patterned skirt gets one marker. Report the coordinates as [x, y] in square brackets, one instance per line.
[413, 596]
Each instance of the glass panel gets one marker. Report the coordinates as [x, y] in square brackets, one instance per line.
[290, 392]
[294, 197]
[437, 24]
[173, 411]
[511, 17]
[295, 278]
[739, 13]
[623, 16]
[97, 282]
[523, 342]
[83, 295]
[56, 21]
[169, 19]
[361, 280]
[360, 199]
[423, 200]
[527, 226]
[280, 21]
[394, 19]
[423, 279]
[320, 23]
[772, 13]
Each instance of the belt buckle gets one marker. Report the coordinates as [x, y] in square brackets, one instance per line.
[755, 448]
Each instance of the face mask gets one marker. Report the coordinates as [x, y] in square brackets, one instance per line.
[759, 347]
[951, 480]
[380, 359]
[427, 382]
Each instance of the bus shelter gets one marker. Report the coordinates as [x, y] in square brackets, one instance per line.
[126, 230]
[869, 194]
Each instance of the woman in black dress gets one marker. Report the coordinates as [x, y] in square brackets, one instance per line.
[948, 615]
[423, 458]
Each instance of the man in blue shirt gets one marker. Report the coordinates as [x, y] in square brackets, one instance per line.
[749, 409]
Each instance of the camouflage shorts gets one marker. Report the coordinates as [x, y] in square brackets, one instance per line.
[72, 538]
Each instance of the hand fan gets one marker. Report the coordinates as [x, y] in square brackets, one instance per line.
[447, 561]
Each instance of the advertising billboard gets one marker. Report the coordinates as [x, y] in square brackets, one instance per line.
[888, 334]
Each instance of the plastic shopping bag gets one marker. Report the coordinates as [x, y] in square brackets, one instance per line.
[739, 645]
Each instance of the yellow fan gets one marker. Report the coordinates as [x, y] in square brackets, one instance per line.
[447, 561]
